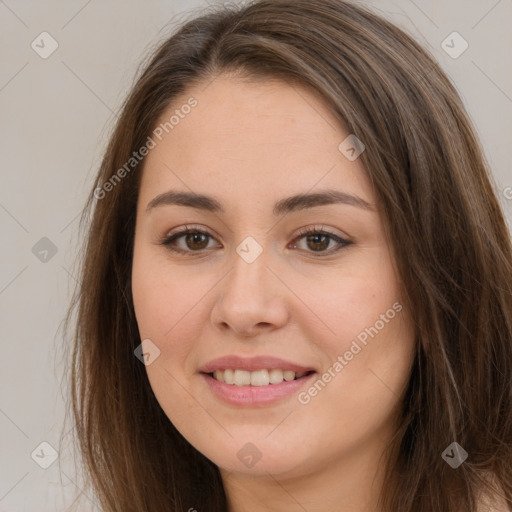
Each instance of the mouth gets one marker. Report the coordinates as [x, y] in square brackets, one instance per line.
[258, 378]
[255, 381]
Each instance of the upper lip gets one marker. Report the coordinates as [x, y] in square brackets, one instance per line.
[252, 364]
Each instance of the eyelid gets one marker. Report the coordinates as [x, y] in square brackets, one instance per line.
[184, 230]
[301, 232]
[320, 228]
[168, 238]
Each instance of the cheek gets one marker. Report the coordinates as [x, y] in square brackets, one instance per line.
[350, 302]
[164, 297]
[366, 334]
[153, 304]
[165, 313]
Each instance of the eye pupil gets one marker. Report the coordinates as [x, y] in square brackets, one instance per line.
[316, 240]
[193, 239]
[197, 241]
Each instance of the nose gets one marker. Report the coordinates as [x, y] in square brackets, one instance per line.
[251, 299]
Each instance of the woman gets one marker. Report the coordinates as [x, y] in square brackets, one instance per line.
[295, 231]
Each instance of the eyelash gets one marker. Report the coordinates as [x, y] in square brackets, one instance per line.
[167, 241]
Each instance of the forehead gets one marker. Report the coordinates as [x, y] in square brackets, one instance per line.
[262, 140]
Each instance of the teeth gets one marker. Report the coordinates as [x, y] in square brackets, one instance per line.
[288, 375]
[242, 378]
[256, 378]
[260, 378]
[276, 376]
[229, 376]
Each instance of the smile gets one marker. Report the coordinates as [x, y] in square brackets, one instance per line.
[251, 389]
[256, 378]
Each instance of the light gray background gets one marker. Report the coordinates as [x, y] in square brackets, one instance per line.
[56, 114]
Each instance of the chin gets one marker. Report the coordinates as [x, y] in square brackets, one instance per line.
[260, 457]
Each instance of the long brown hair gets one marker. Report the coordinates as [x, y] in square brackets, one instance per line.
[452, 248]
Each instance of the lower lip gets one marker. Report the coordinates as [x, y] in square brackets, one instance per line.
[255, 395]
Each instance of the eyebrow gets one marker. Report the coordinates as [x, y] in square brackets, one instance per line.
[290, 204]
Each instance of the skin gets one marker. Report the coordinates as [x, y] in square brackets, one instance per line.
[250, 145]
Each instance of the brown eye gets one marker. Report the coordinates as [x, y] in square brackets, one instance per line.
[194, 240]
[318, 240]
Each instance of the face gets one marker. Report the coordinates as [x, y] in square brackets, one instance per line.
[260, 288]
